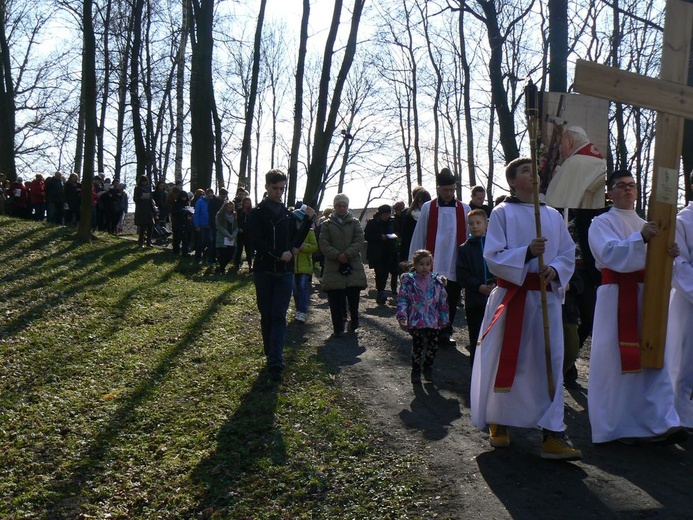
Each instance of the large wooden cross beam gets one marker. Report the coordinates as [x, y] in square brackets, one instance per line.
[673, 101]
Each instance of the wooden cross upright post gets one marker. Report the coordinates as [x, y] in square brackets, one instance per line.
[673, 101]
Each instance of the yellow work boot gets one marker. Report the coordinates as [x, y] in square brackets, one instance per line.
[499, 436]
[557, 446]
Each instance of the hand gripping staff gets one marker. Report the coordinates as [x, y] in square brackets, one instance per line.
[532, 113]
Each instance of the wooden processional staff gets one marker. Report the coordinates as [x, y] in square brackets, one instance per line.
[532, 113]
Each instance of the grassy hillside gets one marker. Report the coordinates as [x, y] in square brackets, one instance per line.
[131, 386]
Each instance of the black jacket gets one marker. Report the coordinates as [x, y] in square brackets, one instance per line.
[271, 234]
[381, 254]
[472, 272]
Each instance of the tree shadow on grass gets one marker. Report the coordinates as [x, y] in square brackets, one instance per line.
[245, 442]
[68, 494]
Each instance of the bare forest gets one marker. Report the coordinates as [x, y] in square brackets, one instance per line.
[367, 97]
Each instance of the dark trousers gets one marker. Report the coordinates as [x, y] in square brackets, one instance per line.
[474, 318]
[241, 243]
[55, 212]
[201, 242]
[145, 230]
[420, 354]
[453, 289]
[273, 294]
[381, 280]
[224, 256]
[338, 298]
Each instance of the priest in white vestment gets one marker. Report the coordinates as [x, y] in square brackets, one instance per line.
[679, 345]
[513, 390]
[579, 181]
[626, 402]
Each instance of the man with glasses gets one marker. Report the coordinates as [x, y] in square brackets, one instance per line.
[626, 402]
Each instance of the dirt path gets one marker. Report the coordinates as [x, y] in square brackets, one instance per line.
[469, 479]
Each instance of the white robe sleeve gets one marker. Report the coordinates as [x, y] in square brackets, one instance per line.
[610, 251]
[683, 268]
[503, 261]
[418, 239]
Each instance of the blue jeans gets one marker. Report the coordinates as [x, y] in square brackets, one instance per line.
[273, 293]
[301, 288]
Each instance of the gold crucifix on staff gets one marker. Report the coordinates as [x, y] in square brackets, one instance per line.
[673, 101]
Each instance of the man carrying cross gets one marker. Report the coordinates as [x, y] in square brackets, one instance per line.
[626, 401]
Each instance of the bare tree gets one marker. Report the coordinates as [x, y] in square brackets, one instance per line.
[201, 93]
[298, 103]
[325, 123]
[89, 104]
[7, 105]
[244, 168]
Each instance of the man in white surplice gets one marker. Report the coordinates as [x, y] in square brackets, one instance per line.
[626, 401]
[679, 346]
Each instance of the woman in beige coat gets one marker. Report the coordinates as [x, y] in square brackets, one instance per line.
[341, 241]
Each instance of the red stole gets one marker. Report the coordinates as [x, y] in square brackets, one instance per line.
[514, 303]
[628, 337]
[432, 229]
[590, 150]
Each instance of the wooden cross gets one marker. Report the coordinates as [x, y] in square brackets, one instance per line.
[673, 101]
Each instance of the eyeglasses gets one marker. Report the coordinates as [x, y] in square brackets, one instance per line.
[624, 185]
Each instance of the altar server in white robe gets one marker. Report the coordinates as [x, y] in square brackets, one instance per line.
[626, 402]
[509, 378]
[679, 345]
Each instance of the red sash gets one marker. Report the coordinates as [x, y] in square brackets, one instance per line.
[514, 303]
[628, 313]
[432, 229]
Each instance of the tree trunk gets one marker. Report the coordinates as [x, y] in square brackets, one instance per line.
[298, 103]
[466, 93]
[438, 86]
[7, 104]
[499, 96]
[122, 103]
[244, 169]
[89, 104]
[106, 88]
[324, 132]
[140, 148]
[201, 88]
[621, 159]
[180, 87]
[558, 45]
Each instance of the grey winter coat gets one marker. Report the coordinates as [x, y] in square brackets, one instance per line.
[342, 237]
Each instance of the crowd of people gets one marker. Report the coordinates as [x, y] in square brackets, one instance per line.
[430, 252]
[58, 200]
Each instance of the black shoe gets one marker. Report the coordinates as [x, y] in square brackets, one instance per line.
[353, 325]
[381, 298]
[446, 341]
[428, 374]
[275, 373]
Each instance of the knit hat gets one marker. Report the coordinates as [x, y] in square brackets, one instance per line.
[445, 178]
[340, 197]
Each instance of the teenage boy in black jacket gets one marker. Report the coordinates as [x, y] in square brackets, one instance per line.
[276, 239]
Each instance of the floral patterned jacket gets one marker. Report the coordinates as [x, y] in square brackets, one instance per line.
[419, 310]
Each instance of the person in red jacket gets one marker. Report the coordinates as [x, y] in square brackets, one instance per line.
[37, 197]
[20, 199]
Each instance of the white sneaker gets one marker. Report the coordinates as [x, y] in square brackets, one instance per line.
[301, 317]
